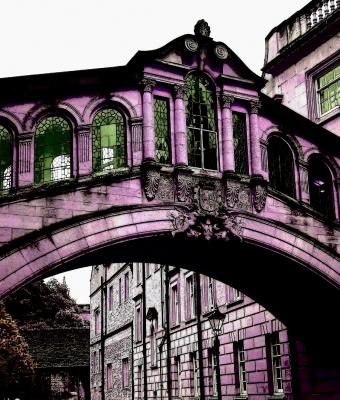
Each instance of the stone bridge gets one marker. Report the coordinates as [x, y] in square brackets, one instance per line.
[176, 158]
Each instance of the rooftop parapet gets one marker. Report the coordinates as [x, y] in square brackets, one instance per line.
[307, 20]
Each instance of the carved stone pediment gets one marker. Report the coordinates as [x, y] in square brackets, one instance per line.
[205, 226]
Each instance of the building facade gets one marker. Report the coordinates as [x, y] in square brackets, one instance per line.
[156, 341]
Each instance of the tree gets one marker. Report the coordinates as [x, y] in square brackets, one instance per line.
[43, 305]
[16, 365]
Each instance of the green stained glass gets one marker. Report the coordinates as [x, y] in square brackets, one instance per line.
[109, 140]
[329, 90]
[201, 122]
[161, 113]
[240, 143]
[53, 143]
[5, 158]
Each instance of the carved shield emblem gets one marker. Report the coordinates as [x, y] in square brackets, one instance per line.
[208, 199]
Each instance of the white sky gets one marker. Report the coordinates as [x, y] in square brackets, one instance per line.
[40, 36]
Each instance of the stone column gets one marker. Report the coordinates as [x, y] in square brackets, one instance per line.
[148, 120]
[255, 150]
[181, 143]
[227, 134]
[304, 184]
[25, 159]
[84, 149]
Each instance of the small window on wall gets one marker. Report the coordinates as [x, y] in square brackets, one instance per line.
[5, 159]
[161, 123]
[320, 187]
[276, 365]
[281, 166]
[109, 140]
[53, 143]
[240, 143]
[328, 90]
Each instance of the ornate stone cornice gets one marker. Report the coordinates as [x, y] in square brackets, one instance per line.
[147, 84]
[180, 91]
[255, 105]
[226, 100]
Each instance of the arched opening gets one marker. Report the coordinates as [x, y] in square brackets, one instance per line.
[108, 140]
[201, 122]
[281, 166]
[53, 149]
[320, 187]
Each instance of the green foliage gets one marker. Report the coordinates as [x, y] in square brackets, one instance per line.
[16, 365]
[43, 305]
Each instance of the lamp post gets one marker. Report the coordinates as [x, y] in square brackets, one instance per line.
[216, 319]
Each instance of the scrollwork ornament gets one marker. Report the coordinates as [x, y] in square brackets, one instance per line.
[151, 183]
[191, 44]
[148, 84]
[184, 187]
[232, 195]
[221, 51]
[255, 106]
[180, 91]
[226, 100]
[260, 197]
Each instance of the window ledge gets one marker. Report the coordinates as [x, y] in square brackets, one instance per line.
[234, 303]
[240, 397]
[190, 320]
[278, 396]
[328, 116]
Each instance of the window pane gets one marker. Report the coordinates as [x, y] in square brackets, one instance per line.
[109, 136]
[240, 143]
[5, 159]
[52, 150]
[161, 112]
[329, 90]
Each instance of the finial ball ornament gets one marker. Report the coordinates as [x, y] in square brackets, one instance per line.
[202, 28]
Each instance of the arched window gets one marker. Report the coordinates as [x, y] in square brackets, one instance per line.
[320, 187]
[5, 158]
[109, 140]
[53, 138]
[201, 122]
[281, 166]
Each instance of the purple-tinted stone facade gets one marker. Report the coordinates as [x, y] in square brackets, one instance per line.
[107, 198]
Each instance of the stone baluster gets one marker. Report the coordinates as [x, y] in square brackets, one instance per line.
[181, 144]
[227, 134]
[320, 11]
[326, 9]
[331, 5]
[255, 150]
[308, 21]
[337, 3]
[314, 17]
[148, 120]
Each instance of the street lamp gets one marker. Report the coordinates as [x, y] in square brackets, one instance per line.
[216, 319]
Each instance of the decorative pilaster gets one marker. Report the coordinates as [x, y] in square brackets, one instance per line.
[227, 133]
[148, 120]
[25, 155]
[304, 184]
[181, 144]
[137, 140]
[255, 150]
[84, 149]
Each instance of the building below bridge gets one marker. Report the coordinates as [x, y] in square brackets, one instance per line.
[151, 338]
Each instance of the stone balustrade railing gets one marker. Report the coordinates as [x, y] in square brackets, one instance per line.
[299, 24]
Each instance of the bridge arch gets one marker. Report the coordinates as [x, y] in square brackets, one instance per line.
[281, 259]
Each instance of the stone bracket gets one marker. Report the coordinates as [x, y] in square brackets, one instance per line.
[151, 175]
[259, 192]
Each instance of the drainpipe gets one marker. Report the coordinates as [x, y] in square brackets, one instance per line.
[144, 334]
[132, 365]
[168, 359]
[102, 334]
[199, 333]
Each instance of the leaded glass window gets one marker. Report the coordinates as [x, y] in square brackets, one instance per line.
[328, 86]
[5, 158]
[240, 143]
[53, 144]
[161, 113]
[320, 187]
[201, 123]
[109, 140]
[281, 166]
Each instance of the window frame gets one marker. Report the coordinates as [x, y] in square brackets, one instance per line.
[125, 373]
[167, 101]
[10, 133]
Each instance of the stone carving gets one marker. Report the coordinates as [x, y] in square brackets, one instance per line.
[148, 84]
[184, 187]
[232, 194]
[226, 100]
[244, 199]
[198, 225]
[221, 51]
[180, 91]
[207, 197]
[259, 196]
[151, 179]
[191, 44]
[202, 29]
[166, 188]
[255, 105]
